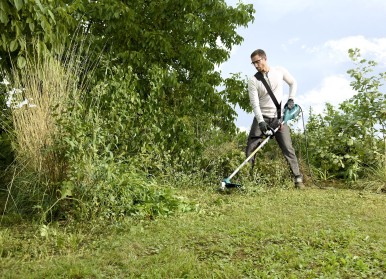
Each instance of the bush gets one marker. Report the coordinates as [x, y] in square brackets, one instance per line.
[71, 144]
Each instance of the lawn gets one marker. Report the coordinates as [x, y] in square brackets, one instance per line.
[281, 233]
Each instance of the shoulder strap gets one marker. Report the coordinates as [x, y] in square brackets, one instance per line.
[259, 76]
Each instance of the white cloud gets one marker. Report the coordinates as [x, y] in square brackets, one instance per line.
[337, 50]
[375, 48]
[333, 89]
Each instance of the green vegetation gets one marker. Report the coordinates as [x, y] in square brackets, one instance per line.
[277, 233]
[124, 93]
[114, 136]
[353, 134]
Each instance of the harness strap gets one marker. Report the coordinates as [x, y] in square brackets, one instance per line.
[259, 76]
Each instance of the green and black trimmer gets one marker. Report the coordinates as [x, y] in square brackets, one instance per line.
[288, 115]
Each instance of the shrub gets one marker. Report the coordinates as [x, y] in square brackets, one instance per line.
[71, 143]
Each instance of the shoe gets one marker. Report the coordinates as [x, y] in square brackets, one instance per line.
[299, 182]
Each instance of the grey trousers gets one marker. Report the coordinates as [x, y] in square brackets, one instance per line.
[283, 138]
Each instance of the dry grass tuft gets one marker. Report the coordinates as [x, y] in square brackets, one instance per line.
[42, 91]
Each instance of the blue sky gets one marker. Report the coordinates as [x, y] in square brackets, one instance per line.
[311, 39]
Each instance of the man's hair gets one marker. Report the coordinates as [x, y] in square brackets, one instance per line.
[260, 53]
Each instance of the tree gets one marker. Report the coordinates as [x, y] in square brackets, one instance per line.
[23, 21]
[173, 48]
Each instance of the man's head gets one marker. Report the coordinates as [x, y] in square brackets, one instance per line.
[259, 60]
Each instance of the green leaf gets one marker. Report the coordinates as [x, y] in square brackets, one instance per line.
[31, 26]
[51, 15]
[13, 45]
[3, 17]
[21, 62]
[18, 4]
[45, 24]
[40, 5]
[4, 39]
[67, 189]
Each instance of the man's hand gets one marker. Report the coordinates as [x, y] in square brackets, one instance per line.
[290, 104]
[263, 127]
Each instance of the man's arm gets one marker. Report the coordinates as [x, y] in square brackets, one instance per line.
[290, 80]
[254, 99]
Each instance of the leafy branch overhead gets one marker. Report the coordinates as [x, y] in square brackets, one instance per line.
[23, 20]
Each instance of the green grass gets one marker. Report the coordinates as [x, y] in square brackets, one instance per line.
[283, 233]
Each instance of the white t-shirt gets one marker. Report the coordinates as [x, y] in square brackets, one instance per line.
[261, 102]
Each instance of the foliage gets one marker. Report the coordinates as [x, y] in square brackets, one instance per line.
[69, 162]
[38, 96]
[374, 180]
[35, 97]
[335, 156]
[371, 115]
[172, 48]
[101, 180]
[148, 100]
[25, 21]
[173, 62]
[353, 135]
[112, 191]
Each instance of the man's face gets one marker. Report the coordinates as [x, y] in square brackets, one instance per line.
[259, 62]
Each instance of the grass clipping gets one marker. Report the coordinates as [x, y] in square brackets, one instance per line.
[41, 92]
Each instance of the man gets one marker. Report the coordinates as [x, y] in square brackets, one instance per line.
[267, 114]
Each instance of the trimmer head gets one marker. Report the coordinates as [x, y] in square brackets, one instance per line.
[227, 184]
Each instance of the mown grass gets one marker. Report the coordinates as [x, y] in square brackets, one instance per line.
[282, 233]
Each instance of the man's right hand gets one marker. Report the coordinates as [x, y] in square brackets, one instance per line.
[290, 104]
[263, 127]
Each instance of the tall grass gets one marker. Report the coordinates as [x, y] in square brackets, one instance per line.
[375, 179]
[43, 87]
[42, 90]
[38, 96]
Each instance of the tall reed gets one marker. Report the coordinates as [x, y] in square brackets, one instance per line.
[42, 90]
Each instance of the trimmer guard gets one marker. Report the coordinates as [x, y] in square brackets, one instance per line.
[227, 184]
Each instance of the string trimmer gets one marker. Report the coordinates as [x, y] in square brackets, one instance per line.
[289, 114]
